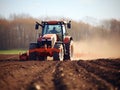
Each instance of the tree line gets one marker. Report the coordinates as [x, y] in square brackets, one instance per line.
[19, 31]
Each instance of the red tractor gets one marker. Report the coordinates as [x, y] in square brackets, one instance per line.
[53, 41]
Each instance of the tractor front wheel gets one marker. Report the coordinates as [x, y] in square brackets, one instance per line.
[41, 58]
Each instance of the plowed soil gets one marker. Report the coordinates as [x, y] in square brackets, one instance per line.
[100, 74]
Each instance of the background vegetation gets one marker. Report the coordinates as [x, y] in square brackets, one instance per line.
[18, 31]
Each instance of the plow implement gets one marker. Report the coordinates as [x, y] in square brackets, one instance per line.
[43, 52]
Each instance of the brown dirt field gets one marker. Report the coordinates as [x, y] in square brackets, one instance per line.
[100, 74]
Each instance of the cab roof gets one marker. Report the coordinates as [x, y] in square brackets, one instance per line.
[54, 22]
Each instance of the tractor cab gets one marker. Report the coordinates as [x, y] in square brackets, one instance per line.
[54, 27]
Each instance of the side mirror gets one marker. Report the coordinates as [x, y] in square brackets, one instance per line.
[36, 26]
[69, 25]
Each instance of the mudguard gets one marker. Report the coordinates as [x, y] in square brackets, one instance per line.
[67, 39]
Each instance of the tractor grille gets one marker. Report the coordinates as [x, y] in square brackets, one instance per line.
[48, 43]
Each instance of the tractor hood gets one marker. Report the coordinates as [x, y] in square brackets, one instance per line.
[49, 37]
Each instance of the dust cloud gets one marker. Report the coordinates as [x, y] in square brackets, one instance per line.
[97, 48]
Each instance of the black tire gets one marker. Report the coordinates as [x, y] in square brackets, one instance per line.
[32, 55]
[69, 51]
[58, 55]
[41, 58]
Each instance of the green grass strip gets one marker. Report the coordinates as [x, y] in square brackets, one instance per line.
[12, 51]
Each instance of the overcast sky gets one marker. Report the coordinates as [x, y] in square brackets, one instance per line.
[74, 9]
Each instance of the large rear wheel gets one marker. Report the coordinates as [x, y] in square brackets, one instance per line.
[58, 55]
[69, 51]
